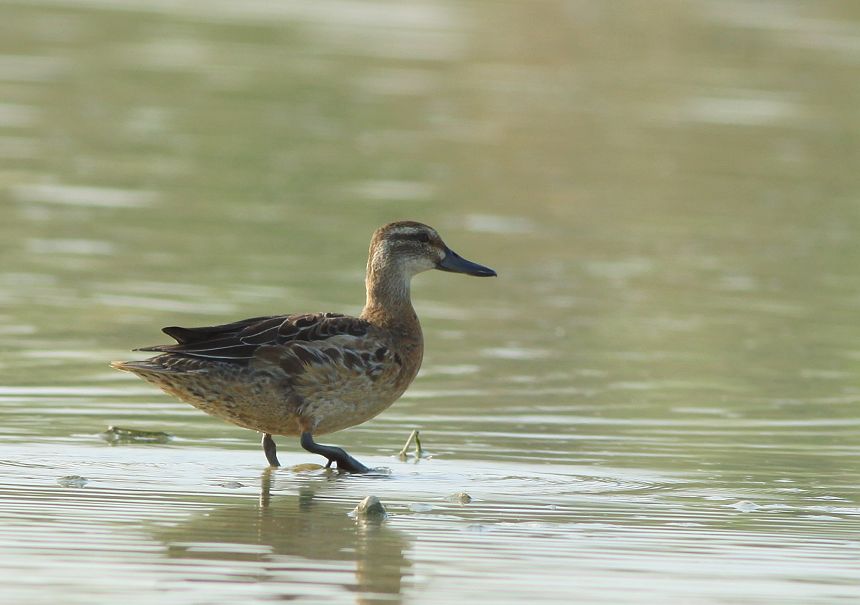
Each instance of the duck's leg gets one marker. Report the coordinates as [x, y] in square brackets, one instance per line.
[270, 449]
[345, 462]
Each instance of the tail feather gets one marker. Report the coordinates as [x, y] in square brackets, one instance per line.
[140, 367]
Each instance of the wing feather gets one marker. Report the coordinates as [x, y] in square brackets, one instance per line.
[240, 341]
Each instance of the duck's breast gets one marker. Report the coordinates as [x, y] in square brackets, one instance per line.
[350, 382]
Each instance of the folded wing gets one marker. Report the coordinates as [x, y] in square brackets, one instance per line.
[240, 341]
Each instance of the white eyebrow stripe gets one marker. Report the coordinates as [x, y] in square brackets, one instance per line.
[408, 231]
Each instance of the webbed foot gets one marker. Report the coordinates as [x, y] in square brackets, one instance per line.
[336, 455]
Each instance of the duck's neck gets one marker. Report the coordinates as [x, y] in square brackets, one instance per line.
[388, 297]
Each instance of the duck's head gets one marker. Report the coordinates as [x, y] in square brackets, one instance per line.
[409, 248]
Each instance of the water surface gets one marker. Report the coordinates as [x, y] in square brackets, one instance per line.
[655, 402]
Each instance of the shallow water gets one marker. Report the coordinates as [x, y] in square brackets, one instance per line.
[655, 402]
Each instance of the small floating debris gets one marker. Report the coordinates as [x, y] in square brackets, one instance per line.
[370, 508]
[460, 498]
[306, 466]
[231, 484]
[745, 506]
[72, 481]
[477, 528]
[413, 436]
[117, 434]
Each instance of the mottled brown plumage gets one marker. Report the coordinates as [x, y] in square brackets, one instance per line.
[312, 373]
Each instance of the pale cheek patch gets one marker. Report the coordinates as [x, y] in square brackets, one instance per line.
[422, 263]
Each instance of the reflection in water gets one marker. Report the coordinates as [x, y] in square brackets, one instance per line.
[298, 540]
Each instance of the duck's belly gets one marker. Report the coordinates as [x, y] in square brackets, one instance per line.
[253, 402]
[334, 397]
[330, 414]
[262, 402]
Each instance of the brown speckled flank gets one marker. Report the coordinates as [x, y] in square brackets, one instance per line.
[312, 373]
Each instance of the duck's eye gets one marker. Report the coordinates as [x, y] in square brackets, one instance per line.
[423, 238]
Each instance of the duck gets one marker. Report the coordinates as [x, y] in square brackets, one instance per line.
[310, 374]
